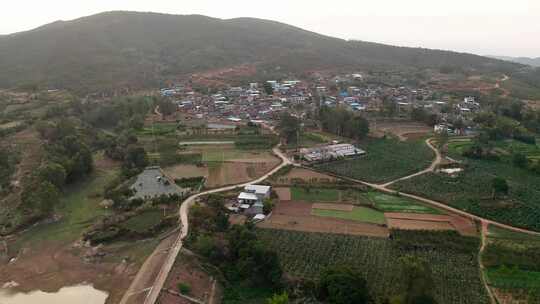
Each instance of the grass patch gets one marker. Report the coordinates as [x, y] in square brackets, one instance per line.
[314, 194]
[386, 160]
[392, 203]
[143, 221]
[359, 214]
[237, 294]
[79, 208]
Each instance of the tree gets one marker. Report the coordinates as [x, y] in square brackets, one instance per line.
[289, 127]
[166, 107]
[267, 206]
[282, 298]
[54, 173]
[268, 89]
[343, 285]
[135, 158]
[499, 186]
[520, 160]
[417, 280]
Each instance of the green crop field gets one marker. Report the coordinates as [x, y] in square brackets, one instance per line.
[393, 203]
[314, 194]
[453, 259]
[386, 160]
[512, 261]
[359, 214]
[513, 278]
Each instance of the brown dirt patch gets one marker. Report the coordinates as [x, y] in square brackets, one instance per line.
[399, 129]
[414, 136]
[338, 207]
[420, 221]
[185, 171]
[292, 215]
[52, 267]
[305, 176]
[188, 270]
[237, 219]
[418, 216]
[418, 225]
[103, 162]
[283, 193]
[229, 173]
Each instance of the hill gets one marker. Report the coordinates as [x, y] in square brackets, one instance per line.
[141, 49]
[535, 62]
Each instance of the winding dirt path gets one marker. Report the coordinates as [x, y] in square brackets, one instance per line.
[431, 168]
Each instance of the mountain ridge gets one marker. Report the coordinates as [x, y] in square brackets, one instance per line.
[532, 61]
[122, 48]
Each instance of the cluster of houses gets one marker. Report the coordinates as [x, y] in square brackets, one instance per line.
[330, 152]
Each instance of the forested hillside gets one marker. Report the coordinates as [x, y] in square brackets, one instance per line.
[130, 49]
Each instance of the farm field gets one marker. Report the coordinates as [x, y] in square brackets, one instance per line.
[392, 203]
[314, 194]
[422, 221]
[359, 214]
[404, 130]
[452, 258]
[303, 176]
[386, 160]
[512, 263]
[223, 164]
[297, 215]
[471, 190]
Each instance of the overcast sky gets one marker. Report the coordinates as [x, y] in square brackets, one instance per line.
[494, 27]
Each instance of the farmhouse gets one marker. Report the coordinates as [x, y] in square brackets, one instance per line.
[251, 199]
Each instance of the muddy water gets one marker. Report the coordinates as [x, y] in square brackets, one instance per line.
[81, 294]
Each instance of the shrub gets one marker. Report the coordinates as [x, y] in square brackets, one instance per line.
[184, 288]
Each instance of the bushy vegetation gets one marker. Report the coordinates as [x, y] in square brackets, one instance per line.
[387, 159]
[475, 190]
[342, 122]
[8, 160]
[452, 259]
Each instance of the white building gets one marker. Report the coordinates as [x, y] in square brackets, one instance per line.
[252, 198]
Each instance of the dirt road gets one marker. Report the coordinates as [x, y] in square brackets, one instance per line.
[140, 284]
[431, 168]
[483, 234]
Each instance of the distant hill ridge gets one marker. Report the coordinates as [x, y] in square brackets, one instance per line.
[535, 62]
[115, 49]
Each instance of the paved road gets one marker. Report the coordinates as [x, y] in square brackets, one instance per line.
[155, 289]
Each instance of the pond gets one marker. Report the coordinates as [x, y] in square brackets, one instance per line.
[80, 294]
